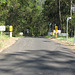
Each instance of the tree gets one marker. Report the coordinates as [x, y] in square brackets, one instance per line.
[59, 14]
[35, 15]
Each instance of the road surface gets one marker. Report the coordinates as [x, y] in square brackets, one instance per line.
[37, 56]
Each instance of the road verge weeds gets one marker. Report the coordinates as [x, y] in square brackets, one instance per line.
[6, 42]
[69, 43]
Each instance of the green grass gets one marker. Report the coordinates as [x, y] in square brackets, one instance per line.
[71, 39]
[67, 43]
[4, 37]
[47, 36]
[1, 44]
[64, 38]
[61, 38]
[2, 40]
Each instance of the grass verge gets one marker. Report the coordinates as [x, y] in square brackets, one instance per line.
[64, 39]
[68, 42]
[3, 39]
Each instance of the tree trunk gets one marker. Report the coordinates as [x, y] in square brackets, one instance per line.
[71, 17]
[59, 15]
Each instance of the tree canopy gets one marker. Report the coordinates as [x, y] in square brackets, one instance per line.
[35, 15]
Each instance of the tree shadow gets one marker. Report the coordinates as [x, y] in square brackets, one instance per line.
[37, 62]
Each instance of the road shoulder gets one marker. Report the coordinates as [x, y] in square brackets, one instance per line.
[8, 43]
[72, 47]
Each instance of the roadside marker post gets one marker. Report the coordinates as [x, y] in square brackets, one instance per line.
[56, 30]
[10, 29]
[10, 34]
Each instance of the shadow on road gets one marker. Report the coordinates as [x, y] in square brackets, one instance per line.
[37, 62]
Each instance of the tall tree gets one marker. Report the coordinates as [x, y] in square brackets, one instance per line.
[59, 14]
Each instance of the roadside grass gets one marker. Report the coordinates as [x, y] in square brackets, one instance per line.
[47, 36]
[68, 43]
[71, 39]
[63, 38]
[3, 39]
[1, 44]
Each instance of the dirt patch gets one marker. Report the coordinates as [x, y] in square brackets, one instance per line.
[68, 44]
[8, 43]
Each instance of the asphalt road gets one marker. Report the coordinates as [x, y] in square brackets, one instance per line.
[37, 56]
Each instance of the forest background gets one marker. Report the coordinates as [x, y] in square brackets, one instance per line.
[36, 15]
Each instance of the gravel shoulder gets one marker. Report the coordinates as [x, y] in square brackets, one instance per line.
[8, 43]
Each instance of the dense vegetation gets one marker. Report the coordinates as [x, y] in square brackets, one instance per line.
[36, 15]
